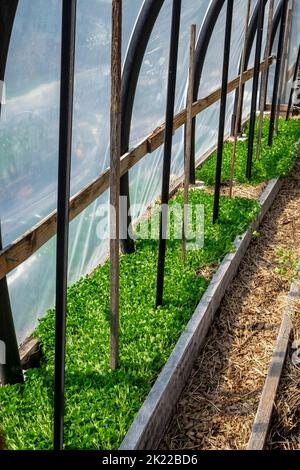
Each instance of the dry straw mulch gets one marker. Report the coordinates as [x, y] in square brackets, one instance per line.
[285, 427]
[218, 406]
[240, 190]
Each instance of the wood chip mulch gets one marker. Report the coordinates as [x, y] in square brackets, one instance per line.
[218, 406]
[240, 190]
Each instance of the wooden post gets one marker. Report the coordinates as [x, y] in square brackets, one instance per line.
[239, 103]
[284, 65]
[264, 79]
[115, 155]
[188, 137]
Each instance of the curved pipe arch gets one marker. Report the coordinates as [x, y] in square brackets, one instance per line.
[8, 10]
[133, 63]
[202, 47]
[251, 37]
[252, 32]
[276, 22]
[131, 70]
[203, 42]
[250, 40]
[11, 372]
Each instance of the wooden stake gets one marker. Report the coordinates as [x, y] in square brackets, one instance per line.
[188, 137]
[239, 104]
[115, 154]
[264, 78]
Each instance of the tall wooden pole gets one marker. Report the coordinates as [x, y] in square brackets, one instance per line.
[63, 198]
[264, 79]
[239, 103]
[115, 155]
[188, 137]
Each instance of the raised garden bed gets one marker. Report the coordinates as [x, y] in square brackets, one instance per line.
[273, 162]
[101, 404]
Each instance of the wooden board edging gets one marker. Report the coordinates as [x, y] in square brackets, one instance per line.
[264, 412]
[30, 353]
[156, 412]
[265, 408]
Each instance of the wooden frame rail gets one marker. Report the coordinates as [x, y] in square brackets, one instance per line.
[26, 245]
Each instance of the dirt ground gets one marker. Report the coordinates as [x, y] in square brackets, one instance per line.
[218, 405]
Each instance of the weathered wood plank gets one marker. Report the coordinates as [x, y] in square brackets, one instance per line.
[25, 246]
[282, 108]
[30, 353]
[264, 412]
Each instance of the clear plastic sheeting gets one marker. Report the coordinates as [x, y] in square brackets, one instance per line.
[150, 101]
[29, 140]
[293, 48]
[30, 123]
[207, 122]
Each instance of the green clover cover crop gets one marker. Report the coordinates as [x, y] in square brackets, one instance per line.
[274, 161]
[100, 403]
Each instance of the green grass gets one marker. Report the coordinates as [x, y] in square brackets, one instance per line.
[101, 404]
[274, 161]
